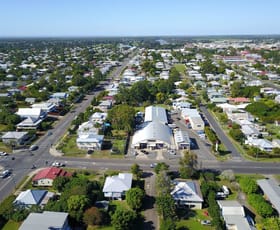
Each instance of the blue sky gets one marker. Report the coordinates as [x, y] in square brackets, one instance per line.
[138, 17]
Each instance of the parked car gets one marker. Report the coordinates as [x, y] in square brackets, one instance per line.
[206, 222]
[3, 154]
[172, 152]
[5, 173]
[33, 147]
[153, 165]
[58, 164]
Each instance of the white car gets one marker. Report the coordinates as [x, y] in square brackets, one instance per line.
[3, 154]
[57, 164]
[5, 173]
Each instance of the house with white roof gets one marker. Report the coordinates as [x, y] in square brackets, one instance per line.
[187, 194]
[116, 186]
[36, 113]
[262, 144]
[46, 220]
[234, 215]
[250, 131]
[98, 117]
[90, 141]
[59, 95]
[45, 106]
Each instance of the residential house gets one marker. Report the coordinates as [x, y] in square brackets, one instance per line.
[116, 186]
[45, 177]
[98, 117]
[181, 105]
[90, 141]
[238, 100]
[29, 123]
[276, 143]
[59, 95]
[234, 215]
[250, 131]
[105, 105]
[271, 191]
[45, 106]
[187, 194]
[30, 100]
[15, 138]
[33, 197]
[46, 221]
[35, 113]
[86, 128]
[262, 144]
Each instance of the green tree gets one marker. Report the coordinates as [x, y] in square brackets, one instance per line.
[237, 134]
[76, 205]
[166, 206]
[92, 216]
[123, 219]
[162, 166]
[60, 182]
[136, 171]
[188, 164]
[135, 197]
[248, 185]
[122, 117]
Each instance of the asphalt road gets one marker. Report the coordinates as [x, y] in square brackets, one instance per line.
[221, 135]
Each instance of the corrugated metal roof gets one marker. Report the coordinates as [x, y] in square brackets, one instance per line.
[272, 191]
[153, 131]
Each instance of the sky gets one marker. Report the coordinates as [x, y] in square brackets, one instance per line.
[56, 18]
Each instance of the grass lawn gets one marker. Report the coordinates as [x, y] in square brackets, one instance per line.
[69, 147]
[273, 130]
[5, 148]
[194, 221]
[181, 68]
[3, 127]
[11, 225]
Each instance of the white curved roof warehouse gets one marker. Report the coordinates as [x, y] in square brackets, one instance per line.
[153, 134]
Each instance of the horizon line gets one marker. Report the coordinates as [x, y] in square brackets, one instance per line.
[133, 36]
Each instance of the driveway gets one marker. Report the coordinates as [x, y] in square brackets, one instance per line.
[150, 213]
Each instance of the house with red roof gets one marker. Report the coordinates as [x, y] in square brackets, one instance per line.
[238, 100]
[46, 176]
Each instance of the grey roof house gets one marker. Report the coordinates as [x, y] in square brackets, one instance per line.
[46, 221]
[272, 191]
[32, 197]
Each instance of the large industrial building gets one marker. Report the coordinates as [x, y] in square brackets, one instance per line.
[154, 133]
